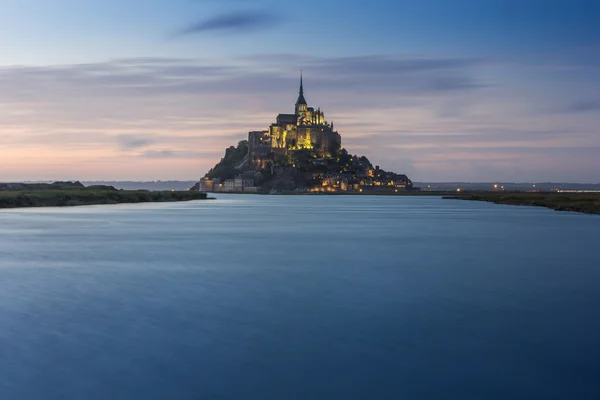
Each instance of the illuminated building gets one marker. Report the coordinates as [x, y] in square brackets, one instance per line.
[206, 185]
[306, 129]
[335, 182]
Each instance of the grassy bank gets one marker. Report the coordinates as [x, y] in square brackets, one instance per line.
[588, 203]
[84, 197]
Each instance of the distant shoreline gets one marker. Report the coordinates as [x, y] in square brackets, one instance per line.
[69, 194]
[9, 200]
[587, 203]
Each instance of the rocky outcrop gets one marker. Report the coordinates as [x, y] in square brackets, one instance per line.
[230, 165]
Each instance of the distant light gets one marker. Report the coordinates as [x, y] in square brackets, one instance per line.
[458, 190]
[496, 186]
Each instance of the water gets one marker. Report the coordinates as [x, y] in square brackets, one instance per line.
[277, 297]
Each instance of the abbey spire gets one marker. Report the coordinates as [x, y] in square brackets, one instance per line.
[301, 100]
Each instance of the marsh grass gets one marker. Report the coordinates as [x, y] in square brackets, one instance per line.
[82, 197]
[588, 203]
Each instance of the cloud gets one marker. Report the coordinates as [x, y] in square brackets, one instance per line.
[583, 106]
[237, 22]
[180, 154]
[149, 77]
[163, 118]
[158, 154]
[131, 142]
[373, 64]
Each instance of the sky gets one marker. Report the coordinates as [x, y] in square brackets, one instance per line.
[463, 90]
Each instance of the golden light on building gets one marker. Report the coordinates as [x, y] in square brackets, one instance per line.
[305, 129]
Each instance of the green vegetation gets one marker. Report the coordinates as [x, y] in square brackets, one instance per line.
[63, 194]
[234, 156]
[588, 203]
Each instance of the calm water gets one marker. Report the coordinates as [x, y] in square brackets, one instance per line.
[276, 297]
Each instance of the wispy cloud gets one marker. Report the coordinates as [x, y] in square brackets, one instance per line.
[236, 22]
[158, 154]
[131, 142]
[146, 77]
[180, 154]
[166, 118]
[584, 106]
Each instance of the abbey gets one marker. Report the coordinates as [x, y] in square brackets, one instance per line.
[300, 152]
[306, 129]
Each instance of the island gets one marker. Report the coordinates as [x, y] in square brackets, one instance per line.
[61, 194]
[300, 152]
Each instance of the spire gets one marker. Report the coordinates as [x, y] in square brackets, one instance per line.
[301, 100]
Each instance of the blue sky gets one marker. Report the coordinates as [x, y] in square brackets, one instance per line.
[441, 90]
